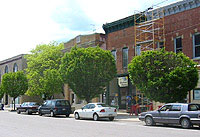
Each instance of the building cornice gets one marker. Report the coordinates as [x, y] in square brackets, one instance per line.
[175, 8]
[12, 59]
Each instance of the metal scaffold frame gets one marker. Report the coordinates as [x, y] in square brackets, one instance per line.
[149, 29]
[149, 35]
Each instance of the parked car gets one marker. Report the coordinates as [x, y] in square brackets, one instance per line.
[182, 114]
[28, 107]
[55, 107]
[95, 111]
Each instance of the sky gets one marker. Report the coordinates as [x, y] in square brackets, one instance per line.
[27, 23]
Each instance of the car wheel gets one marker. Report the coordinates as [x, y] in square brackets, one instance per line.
[77, 116]
[18, 111]
[111, 118]
[67, 115]
[149, 121]
[185, 123]
[52, 114]
[95, 117]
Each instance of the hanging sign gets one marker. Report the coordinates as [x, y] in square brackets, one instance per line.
[123, 81]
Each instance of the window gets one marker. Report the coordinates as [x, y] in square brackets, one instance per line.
[196, 45]
[196, 94]
[165, 108]
[15, 68]
[175, 108]
[125, 57]
[114, 54]
[86, 106]
[138, 50]
[161, 44]
[193, 107]
[178, 44]
[6, 69]
[78, 39]
[92, 106]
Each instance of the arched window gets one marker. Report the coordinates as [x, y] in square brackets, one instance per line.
[15, 68]
[6, 69]
[0, 76]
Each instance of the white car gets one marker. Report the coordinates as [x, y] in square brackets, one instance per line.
[96, 111]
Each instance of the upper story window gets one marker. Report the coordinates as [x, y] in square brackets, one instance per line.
[78, 39]
[6, 69]
[178, 44]
[138, 50]
[15, 67]
[161, 44]
[196, 45]
[114, 54]
[125, 57]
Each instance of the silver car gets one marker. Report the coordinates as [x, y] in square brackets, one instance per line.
[182, 114]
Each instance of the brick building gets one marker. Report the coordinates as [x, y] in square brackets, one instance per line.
[84, 41]
[181, 33]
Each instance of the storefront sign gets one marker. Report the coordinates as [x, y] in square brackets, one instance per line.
[123, 81]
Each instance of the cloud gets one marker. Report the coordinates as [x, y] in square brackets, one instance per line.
[71, 16]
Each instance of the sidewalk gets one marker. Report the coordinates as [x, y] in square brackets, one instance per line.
[122, 115]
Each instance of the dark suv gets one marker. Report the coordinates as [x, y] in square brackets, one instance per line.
[55, 107]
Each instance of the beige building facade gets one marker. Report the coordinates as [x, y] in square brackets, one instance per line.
[84, 41]
[14, 64]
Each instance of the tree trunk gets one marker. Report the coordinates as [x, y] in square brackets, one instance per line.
[14, 102]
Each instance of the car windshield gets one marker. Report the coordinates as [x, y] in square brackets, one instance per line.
[102, 105]
[62, 103]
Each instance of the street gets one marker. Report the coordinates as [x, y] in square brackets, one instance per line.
[23, 125]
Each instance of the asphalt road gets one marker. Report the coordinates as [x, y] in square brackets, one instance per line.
[23, 125]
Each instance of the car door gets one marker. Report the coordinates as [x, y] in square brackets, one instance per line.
[90, 111]
[163, 114]
[174, 114]
[45, 107]
[83, 111]
[22, 108]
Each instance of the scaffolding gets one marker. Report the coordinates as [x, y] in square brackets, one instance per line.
[149, 29]
[149, 35]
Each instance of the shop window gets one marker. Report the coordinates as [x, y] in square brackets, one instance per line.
[196, 94]
[178, 44]
[138, 50]
[196, 45]
[125, 57]
[15, 68]
[6, 69]
[114, 54]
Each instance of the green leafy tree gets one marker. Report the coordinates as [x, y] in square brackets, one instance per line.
[88, 71]
[14, 84]
[43, 70]
[1, 93]
[163, 76]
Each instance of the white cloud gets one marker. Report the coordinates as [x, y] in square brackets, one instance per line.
[26, 23]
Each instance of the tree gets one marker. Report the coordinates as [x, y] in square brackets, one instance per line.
[88, 71]
[163, 76]
[14, 84]
[43, 70]
[1, 93]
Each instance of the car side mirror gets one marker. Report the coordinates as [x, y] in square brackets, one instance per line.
[82, 108]
[158, 110]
